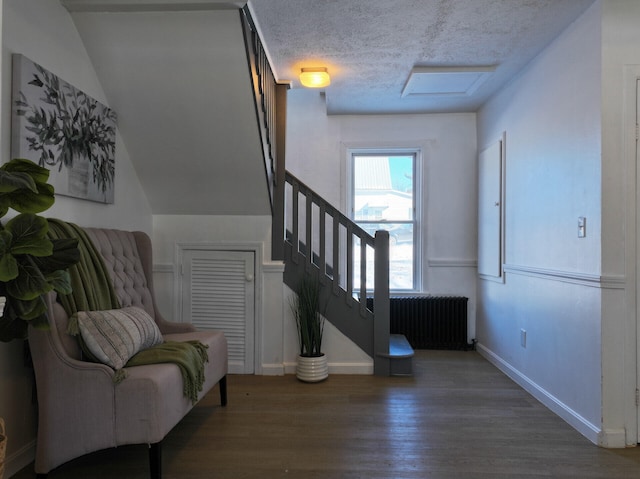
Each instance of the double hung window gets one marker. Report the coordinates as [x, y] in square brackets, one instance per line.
[382, 196]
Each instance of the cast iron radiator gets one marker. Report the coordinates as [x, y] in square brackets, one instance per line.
[430, 322]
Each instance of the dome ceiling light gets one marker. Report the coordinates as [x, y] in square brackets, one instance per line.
[316, 77]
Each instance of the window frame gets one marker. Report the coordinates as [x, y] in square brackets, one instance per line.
[418, 221]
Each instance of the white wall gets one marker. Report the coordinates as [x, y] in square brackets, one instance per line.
[275, 335]
[43, 31]
[252, 232]
[181, 83]
[552, 118]
[316, 154]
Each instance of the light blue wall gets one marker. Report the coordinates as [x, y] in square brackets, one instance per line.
[553, 286]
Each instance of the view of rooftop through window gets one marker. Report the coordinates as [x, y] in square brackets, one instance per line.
[383, 198]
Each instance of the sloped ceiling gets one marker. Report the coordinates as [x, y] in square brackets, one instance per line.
[180, 84]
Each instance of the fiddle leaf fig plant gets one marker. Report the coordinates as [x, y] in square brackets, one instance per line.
[31, 264]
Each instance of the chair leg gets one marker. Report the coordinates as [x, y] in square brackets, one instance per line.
[155, 460]
[223, 391]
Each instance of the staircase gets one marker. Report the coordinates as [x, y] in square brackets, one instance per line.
[349, 264]
[314, 239]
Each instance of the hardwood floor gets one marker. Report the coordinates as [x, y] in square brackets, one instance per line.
[457, 417]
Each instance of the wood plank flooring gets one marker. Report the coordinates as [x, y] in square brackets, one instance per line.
[457, 417]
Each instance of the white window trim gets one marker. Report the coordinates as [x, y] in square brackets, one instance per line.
[413, 147]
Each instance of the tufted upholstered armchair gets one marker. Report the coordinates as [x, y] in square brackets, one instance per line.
[81, 409]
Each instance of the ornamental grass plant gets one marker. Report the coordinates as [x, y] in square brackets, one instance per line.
[305, 306]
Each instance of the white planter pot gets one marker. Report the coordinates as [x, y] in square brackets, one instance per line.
[312, 370]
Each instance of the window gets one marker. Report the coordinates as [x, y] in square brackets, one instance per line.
[383, 195]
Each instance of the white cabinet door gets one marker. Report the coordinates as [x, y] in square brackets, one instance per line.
[490, 211]
[218, 292]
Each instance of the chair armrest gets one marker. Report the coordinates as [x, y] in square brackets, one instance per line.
[171, 327]
[72, 395]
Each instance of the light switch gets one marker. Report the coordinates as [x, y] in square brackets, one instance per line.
[582, 227]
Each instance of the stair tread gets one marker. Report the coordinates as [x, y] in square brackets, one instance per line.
[399, 347]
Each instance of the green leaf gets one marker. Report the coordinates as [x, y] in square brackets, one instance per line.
[30, 235]
[30, 282]
[35, 171]
[26, 201]
[12, 181]
[6, 238]
[8, 267]
[31, 309]
[61, 281]
[24, 187]
[11, 327]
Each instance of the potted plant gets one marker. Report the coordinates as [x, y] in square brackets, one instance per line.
[31, 264]
[312, 363]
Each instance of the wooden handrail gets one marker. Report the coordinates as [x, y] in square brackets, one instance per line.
[270, 99]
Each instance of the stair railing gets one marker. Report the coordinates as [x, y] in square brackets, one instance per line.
[348, 262]
[271, 112]
[345, 258]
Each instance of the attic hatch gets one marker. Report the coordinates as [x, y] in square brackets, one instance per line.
[446, 81]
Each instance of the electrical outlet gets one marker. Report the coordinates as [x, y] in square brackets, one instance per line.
[523, 338]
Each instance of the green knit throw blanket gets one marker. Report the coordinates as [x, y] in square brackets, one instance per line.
[189, 356]
[90, 280]
[93, 291]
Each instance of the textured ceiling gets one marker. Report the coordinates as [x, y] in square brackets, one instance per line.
[371, 46]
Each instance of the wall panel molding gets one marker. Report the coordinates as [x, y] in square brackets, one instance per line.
[584, 279]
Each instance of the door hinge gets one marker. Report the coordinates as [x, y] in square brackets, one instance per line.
[637, 131]
[637, 397]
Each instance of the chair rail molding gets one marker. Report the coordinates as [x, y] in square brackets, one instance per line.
[584, 279]
[452, 263]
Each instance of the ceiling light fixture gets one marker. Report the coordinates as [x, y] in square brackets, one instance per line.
[316, 77]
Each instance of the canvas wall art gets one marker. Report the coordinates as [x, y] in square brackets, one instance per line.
[65, 130]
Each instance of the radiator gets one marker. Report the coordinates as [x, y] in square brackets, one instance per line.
[431, 322]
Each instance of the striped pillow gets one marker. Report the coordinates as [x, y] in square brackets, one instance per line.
[112, 337]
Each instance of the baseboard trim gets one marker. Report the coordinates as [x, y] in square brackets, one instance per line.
[20, 458]
[613, 438]
[272, 370]
[575, 420]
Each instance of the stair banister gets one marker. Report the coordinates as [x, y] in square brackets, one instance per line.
[347, 307]
[270, 100]
[307, 255]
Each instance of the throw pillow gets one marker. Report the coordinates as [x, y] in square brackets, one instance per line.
[112, 337]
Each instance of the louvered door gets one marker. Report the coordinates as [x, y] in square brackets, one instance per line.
[218, 293]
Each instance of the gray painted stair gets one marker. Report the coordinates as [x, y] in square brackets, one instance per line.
[400, 356]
